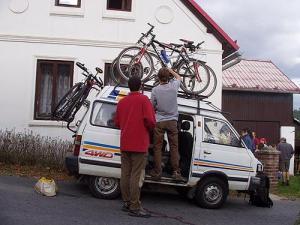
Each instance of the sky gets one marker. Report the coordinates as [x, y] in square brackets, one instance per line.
[264, 29]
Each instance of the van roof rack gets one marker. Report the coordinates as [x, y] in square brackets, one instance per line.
[182, 94]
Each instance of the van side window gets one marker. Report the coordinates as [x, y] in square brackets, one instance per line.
[103, 114]
[218, 132]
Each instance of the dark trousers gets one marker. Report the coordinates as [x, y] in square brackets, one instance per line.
[172, 132]
[132, 177]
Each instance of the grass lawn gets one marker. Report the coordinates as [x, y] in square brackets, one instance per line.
[291, 191]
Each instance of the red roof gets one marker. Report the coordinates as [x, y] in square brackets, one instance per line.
[257, 75]
[229, 46]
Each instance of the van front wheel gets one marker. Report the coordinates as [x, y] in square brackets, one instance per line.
[104, 187]
[211, 193]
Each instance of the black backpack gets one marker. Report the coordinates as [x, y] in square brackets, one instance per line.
[259, 195]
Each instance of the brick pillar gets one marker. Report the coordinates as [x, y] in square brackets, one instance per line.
[270, 161]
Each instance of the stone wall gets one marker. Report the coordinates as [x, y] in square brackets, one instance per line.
[270, 161]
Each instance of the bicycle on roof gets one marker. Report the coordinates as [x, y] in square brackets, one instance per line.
[145, 61]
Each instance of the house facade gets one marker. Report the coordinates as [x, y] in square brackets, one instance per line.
[259, 96]
[40, 42]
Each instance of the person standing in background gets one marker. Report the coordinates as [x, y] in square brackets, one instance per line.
[286, 153]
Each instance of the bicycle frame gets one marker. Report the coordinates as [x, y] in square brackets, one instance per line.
[182, 54]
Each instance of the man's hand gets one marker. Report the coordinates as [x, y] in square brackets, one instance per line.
[176, 75]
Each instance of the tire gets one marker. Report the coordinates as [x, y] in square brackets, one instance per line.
[211, 193]
[190, 84]
[67, 101]
[104, 187]
[79, 100]
[114, 73]
[213, 82]
[143, 69]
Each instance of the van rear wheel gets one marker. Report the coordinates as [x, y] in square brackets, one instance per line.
[211, 193]
[104, 187]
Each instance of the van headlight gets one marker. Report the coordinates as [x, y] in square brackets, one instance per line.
[259, 168]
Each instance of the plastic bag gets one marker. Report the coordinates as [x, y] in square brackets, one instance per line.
[46, 187]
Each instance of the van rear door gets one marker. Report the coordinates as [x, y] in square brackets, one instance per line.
[100, 151]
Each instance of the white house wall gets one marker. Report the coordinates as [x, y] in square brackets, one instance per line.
[91, 35]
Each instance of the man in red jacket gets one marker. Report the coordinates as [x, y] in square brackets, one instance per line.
[136, 118]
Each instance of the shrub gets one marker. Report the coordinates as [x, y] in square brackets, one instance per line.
[26, 148]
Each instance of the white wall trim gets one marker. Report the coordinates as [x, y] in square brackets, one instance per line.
[63, 41]
[48, 123]
[78, 42]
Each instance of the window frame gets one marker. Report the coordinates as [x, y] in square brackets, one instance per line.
[66, 5]
[122, 10]
[92, 113]
[231, 128]
[36, 114]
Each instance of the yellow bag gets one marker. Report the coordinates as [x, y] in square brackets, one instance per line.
[46, 187]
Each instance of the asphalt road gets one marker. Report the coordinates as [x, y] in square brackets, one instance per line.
[21, 205]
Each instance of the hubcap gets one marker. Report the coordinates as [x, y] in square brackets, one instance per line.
[106, 185]
[212, 193]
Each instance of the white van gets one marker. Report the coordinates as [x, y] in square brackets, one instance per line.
[212, 158]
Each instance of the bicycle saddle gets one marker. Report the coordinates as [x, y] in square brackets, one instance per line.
[187, 41]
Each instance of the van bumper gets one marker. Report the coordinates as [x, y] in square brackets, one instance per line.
[72, 164]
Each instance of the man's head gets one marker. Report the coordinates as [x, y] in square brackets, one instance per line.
[283, 140]
[163, 75]
[244, 131]
[134, 83]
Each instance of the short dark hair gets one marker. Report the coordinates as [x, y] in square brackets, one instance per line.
[134, 83]
[163, 74]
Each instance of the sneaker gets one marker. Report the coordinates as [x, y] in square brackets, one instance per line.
[154, 175]
[139, 213]
[125, 207]
[177, 176]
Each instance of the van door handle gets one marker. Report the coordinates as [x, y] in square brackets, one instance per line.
[207, 152]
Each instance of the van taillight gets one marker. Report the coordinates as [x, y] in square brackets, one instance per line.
[77, 143]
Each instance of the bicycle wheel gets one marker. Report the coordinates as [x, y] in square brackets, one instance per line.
[114, 73]
[213, 82]
[157, 65]
[67, 101]
[78, 102]
[195, 76]
[139, 65]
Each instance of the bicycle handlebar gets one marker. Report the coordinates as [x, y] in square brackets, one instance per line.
[81, 66]
[98, 81]
[147, 33]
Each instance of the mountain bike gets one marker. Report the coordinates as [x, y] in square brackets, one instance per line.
[72, 101]
[139, 62]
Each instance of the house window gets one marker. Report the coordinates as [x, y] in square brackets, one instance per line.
[121, 5]
[108, 76]
[68, 3]
[53, 79]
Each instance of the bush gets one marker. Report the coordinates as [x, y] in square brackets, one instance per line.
[26, 148]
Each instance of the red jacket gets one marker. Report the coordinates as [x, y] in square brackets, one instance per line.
[136, 118]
